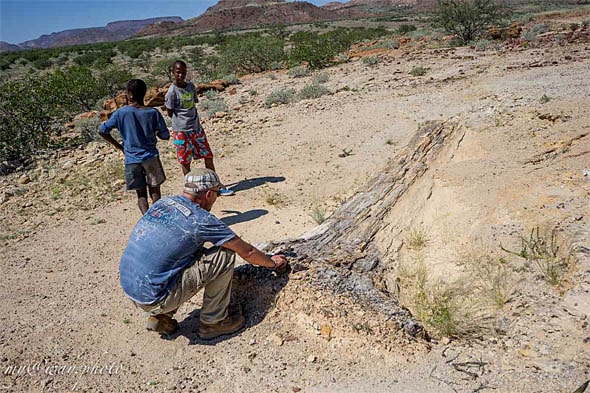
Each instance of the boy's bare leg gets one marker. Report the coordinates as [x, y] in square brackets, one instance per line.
[155, 193]
[142, 201]
[209, 164]
[186, 168]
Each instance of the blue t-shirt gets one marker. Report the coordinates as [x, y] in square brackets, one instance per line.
[138, 128]
[167, 239]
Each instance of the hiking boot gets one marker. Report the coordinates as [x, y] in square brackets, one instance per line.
[161, 323]
[231, 324]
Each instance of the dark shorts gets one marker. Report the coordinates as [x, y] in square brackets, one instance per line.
[148, 173]
[191, 144]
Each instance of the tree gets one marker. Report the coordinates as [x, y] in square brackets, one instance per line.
[78, 88]
[467, 19]
[250, 54]
[28, 116]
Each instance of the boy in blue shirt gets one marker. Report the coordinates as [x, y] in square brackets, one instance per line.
[139, 125]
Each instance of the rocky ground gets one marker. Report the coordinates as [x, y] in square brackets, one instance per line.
[523, 162]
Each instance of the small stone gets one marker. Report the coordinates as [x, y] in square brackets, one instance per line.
[252, 341]
[295, 389]
[277, 340]
[445, 340]
[311, 359]
[326, 332]
[528, 353]
[24, 179]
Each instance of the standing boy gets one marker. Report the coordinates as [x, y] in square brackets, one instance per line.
[139, 125]
[189, 137]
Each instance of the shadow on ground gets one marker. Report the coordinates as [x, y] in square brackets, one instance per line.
[254, 291]
[247, 184]
[239, 217]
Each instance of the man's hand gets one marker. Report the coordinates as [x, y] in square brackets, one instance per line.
[256, 257]
[280, 263]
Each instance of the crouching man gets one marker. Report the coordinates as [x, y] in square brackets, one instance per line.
[166, 261]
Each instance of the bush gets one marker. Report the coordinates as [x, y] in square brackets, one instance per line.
[42, 64]
[320, 78]
[298, 72]
[279, 97]
[79, 89]
[403, 29]
[111, 80]
[88, 129]
[483, 44]
[250, 54]
[232, 79]
[213, 105]
[320, 50]
[28, 116]
[468, 19]
[533, 32]
[370, 60]
[313, 91]
[418, 71]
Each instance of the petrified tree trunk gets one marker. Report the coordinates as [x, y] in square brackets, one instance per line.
[342, 248]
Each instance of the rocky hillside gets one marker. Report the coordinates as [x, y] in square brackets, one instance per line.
[7, 47]
[114, 31]
[238, 15]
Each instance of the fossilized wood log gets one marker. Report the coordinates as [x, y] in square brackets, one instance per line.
[341, 249]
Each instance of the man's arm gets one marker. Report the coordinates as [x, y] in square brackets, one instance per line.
[253, 255]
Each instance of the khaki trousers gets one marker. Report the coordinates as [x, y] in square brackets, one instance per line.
[214, 271]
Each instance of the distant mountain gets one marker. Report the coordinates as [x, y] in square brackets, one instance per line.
[114, 31]
[245, 14]
[6, 47]
[372, 7]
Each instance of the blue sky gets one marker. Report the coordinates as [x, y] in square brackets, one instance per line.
[23, 20]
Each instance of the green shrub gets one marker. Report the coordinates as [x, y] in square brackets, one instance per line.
[320, 78]
[313, 91]
[370, 61]
[88, 129]
[404, 28]
[468, 19]
[318, 214]
[232, 79]
[212, 106]
[298, 72]
[531, 34]
[320, 50]
[42, 64]
[284, 96]
[250, 54]
[574, 26]
[28, 120]
[418, 71]
[483, 44]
